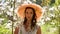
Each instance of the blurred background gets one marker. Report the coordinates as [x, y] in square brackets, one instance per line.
[50, 21]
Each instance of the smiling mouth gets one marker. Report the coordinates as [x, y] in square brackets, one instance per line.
[28, 17]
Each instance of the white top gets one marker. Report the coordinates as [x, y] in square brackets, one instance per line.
[22, 30]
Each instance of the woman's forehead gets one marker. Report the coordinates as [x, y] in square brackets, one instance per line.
[29, 10]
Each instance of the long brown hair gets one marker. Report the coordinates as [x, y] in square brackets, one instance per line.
[33, 21]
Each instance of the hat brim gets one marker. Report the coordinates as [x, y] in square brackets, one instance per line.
[37, 8]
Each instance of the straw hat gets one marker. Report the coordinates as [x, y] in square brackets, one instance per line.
[37, 8]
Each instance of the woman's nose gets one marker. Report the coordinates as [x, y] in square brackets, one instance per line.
[29, 15]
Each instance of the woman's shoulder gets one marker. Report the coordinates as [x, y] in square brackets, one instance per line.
[38, 26]
[16, 30]
[38, 29]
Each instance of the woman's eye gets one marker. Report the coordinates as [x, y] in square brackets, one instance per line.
[31, 13]
[27, 12]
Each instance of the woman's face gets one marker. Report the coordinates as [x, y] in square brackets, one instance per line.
[29, 14]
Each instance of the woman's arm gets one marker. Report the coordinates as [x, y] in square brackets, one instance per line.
[16, 30]
[39, 31]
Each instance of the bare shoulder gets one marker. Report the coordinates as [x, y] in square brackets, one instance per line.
[39, 30]
[16, 30]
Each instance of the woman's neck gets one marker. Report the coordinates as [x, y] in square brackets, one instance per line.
[28, 25]
[29, 21]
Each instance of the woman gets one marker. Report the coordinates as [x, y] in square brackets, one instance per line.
[29, 13]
